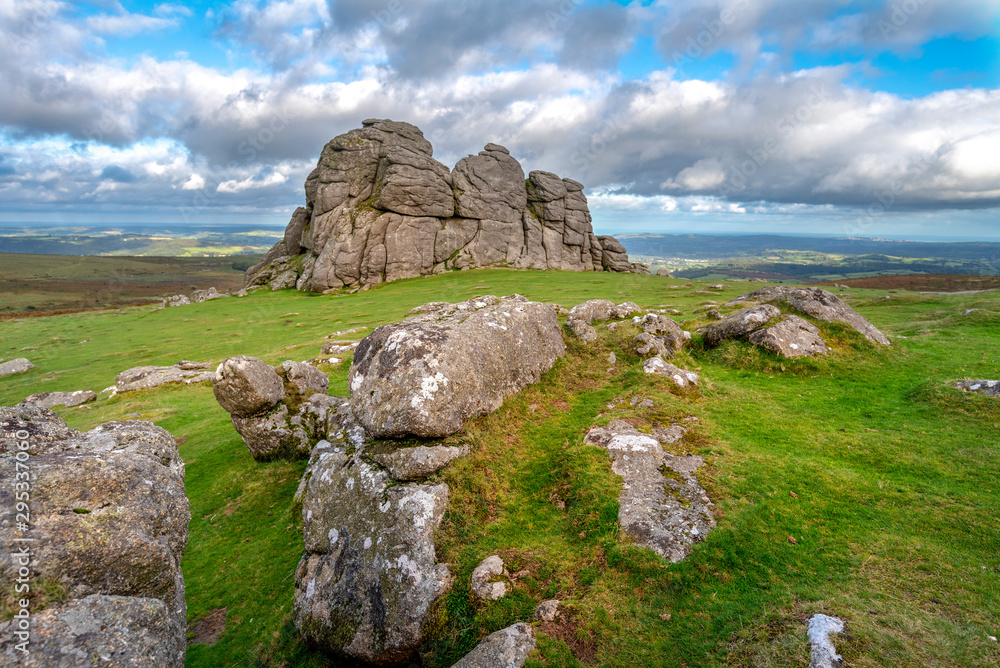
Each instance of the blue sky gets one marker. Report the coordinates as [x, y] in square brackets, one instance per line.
[863, 118]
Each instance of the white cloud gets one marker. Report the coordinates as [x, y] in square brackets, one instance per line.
[275, 178]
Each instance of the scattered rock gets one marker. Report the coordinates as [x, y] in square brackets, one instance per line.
[612, 359]
[483, 581]
[447, 362]
[197, 296]
[507, 648]
[339, 347]
[713, 314]
[581, 330]
[369, 579]
[665, 514]
[648, 345]
[816, 303]
[147, 377]
[591, 310]
[416, 463]
[352, 330]
[740, 324]
[792, 336]
[823, 654]
[547, 611]
[19, 365]
[990, 388]
[680, 376]
[664, 273]
[666, 329]
[109, 521]
[50, 399]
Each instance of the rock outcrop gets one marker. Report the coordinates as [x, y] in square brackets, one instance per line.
[380, 208]
[816, 303]
[19, 365]
[447, 362]
[109, 522]
[665, 514]
[52, 399]
[507, 648]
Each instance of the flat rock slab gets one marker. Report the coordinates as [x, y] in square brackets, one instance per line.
[52, 399]
[19, 365]
[666, 513]
[147, 377]
[369, 579]
[448, 362]
[816, 303]
[507, 648]
[990, 388]
[416, 463]
[791, 337]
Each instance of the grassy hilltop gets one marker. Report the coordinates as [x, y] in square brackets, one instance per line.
[859, 485]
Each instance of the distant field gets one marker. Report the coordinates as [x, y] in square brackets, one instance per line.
[39, 284]
[923, 282]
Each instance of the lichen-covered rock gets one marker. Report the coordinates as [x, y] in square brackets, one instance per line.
[507, 648]
[989, 388]
[416, 463]
[665, 514]
[547, 611]
[19, 365]
[51, 399]
[591, 310]
[816, 303]
[648, 345]
[447, 362]
[741, 324]
[369, 580]
[148, 377]
[822, 653]
[581, 330]
[665, 328]
[484, 581]
[380, 208]
[303, 379]
[790, 337]
[245, 386]
[109, 512]
[681, 377]
[98, 630]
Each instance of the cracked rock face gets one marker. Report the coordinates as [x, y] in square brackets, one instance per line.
[790, 337]
[816, 303]
[661, 505]
[379, 208]
[447, 362]
[110, 518]
[369, 579]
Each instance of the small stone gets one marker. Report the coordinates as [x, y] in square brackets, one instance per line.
[482, 587]
[19, 365]
[823, 653]
[547, 611]
[612, 359]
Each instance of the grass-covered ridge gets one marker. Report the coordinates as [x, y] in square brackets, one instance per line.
[884, 477]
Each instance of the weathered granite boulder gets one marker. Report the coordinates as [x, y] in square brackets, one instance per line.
[681, 377]
[581, 330]
[380, 208]
[245, 386]
[791, 336]
[816, 303]
[416, 463]
[507, 648]
[484, 582]
[648, 345]
[302, 379]
[665, 514]
[447, 362]
[98, 630]
[147, 377]
[109, 517]
[51, 399]
[369, 581]
[19, 365]
[591, 310]
[989, 388]
[665, 328]
[741, 324]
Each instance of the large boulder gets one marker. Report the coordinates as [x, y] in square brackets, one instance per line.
[245, 386]
[380, 208]
[53, 399]
[507, 648]
[367, 586]
[816, 303]
[447, 362]
[741, 324]
[110, 518]
[665, 514]
[791, 337]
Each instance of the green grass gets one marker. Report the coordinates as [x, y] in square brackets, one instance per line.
[894, 512]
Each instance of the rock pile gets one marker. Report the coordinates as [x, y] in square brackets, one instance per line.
[109, 522]
[380, 208]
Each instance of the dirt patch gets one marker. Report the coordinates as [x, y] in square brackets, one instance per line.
[922, 282]
[206, 631]
[564, 628]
